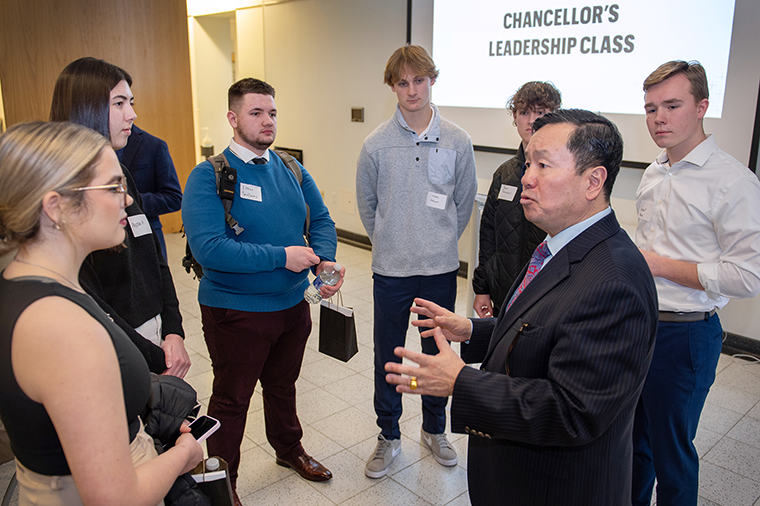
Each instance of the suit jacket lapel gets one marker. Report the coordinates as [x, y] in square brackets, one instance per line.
[550, 276]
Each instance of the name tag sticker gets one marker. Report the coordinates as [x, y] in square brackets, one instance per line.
[645, 212]
[139, 225]
[507, 192]
[436, 200]
[250, 192]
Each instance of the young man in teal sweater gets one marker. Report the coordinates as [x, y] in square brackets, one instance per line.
[255, 319]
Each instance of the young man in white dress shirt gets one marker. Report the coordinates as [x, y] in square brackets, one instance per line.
[699, 230]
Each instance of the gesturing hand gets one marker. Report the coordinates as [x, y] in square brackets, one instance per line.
[455, 328]
[435, 375]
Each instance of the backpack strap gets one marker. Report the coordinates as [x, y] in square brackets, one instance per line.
[226, 179]
[292, 164]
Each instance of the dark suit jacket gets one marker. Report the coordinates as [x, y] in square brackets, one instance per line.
[147, 158]
[550, 413]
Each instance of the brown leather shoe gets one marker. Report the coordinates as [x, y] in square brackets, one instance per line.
[307, 467]
[236, 499]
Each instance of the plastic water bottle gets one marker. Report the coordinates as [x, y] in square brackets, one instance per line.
[329, 277]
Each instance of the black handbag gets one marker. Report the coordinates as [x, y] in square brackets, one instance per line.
[337, 330]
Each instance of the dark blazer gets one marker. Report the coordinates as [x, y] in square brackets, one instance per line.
[550, 413]
[147, 158]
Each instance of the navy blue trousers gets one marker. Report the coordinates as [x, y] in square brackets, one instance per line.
[667, 416]
[393, 298]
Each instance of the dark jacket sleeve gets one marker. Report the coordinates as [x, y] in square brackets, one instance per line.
[166, 195]
[477, 347]
[487, 241]
[171, 318]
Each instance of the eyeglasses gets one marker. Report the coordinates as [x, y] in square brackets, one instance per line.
[116, 188]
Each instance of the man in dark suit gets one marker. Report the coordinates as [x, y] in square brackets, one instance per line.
[550, 412]
[147, 158]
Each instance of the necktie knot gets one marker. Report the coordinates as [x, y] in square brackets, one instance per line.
[259, 160]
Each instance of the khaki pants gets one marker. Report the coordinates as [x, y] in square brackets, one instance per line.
[40, 490]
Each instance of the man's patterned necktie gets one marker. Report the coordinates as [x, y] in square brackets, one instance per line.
[536, 261]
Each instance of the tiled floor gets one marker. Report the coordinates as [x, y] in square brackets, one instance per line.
[335, 408]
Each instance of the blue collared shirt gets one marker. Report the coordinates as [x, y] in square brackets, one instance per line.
[560, 240]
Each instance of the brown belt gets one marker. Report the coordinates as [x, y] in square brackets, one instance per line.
[672, 316]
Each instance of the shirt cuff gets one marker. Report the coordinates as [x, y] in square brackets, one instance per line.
[471, 327]
[708, 278]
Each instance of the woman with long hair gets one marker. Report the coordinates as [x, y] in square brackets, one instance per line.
[133, 284]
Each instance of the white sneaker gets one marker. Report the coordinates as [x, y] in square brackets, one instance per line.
[443, 452]
[386, 450]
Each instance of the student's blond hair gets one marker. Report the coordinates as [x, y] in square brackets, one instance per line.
[37, 158]
[693, 70]
[414, 59]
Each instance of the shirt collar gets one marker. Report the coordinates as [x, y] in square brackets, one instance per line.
[430, 131]
[246, 154]
[560, 240]
[697, 156]
[432, 120]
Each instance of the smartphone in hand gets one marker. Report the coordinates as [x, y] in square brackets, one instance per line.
[203, 426]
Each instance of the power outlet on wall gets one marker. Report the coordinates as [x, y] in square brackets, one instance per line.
[347, 201]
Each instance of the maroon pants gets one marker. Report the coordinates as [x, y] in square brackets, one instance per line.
[247, 347]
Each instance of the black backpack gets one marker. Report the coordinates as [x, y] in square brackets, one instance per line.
[226, 181]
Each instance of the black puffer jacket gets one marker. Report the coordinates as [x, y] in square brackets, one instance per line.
[507, 239]
[172, 400]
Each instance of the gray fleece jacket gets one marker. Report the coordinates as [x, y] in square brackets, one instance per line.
[415, 195]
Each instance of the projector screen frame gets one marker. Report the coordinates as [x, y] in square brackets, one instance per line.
[421, 31]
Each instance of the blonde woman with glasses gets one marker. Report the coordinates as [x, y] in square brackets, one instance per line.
[71, 383]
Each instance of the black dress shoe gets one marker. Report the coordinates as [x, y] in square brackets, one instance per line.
[307, 467]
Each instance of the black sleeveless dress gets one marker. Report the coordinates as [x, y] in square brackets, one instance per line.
[33, 438]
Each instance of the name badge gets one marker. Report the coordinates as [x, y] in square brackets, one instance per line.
[507, 192]
[250, 192]
[139, 225]
[436, 200]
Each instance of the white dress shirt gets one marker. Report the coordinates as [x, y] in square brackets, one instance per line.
[705, 209]
[246, 154]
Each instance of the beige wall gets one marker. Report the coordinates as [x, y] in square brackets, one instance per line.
[147, 38]
[315, 53]
[211, 38]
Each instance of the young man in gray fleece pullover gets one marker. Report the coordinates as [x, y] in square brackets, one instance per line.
[415, 187]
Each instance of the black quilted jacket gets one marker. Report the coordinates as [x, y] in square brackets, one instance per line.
[173, 400]
[507, 239]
